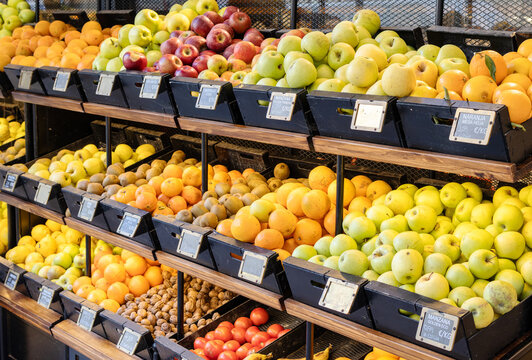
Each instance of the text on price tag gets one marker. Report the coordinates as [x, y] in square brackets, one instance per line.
[129, 225]
[129, 341]
[208, 97]
[11, 280]
[43, 193]
[45, 297]
[86, 318]
[252, 267]
[87, 209]
[437, 328]
[281, 106]
[24, 81]
[472, 126]
[369, 115]
[10, 182]
[61, 81]
[150, 87]
[338, 295]
[106, 83]
[189, 243]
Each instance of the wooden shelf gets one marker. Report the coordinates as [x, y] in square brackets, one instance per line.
[462, 165]
[28, 309]
[60, 103]
[267, 136]
[31, 208]
[240, 287]
[87, 343]
[112, 238]
[146, 117]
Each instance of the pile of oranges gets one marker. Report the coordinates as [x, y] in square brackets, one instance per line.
[55, 44]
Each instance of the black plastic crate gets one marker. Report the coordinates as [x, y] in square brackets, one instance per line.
[89, 82]
[333, 121]
[254, 114]
[394, 179]
[33, 83]
[472, 40]
[138, 136]
[5, 267]
[523, 34]
[418, 117]
[72, 306]
[385, 302]
[118, 132]
[34, 285]
[241, 158]
[110, 18]
[412, 35]
[18, 187]
[228, 254]
[191, 146]
[186, 92]
[74, 197]
[73, 89]
[169, 232]
[132, 83]
[307, 282]
[54, 201]
[5, 85]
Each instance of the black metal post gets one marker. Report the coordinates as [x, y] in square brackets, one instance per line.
[37, 10]
[339, 194]
[293, 15]
[12, 235]
[35, 131]
[180, 304]
[309, 341]
[439, 12]
[28, 118]
[204, 163]
[108, 144]
[88, 257]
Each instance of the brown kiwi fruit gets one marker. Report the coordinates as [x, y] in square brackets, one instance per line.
[281, 171]
[261, 190]
[97, 178]
[153, 172]
[198, 210]
[95, 188]
[240, 188]
[144, 168]
[233, 204]
[110, 180]
[184, 215]
[209, 220]
[82, 184]
[222, 189]
[127, 178]
[275, 184]
[209, 202]
[140, 182]
[219, 211]
[112, 189]
[208, 194]
[248, 198]
[115, 169]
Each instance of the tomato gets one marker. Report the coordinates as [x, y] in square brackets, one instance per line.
[281, 333]
[228, 355]
[269, 341]
[231, 345]
[250, 332]
[239, 334]
[260, 338]
[242, 351]
[210, 336]
[223, 333]
[259, 316]
[226, 324]
[253, 350]
[200, 353]
[213, 348]
[243, 322]
[274, 330]
[199, 343]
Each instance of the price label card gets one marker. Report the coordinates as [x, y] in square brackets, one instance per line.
[150, 87]
[11, 280]
[43, 193]
[369, 115]
[338, 295]
[129, 225]
[24, 81]
[437, 328]
[253, 267]
[281, 106]
[106, 83]
[87, 209]
[10, 182]
[45, 297]
[189, 243]
[129, 341]
[86, 318]
[208, 97]
[472, 126]
[61, 81]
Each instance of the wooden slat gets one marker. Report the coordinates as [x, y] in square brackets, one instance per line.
[360, 333]
[31, 208]
[28, 309]
[130, 114]
[462, 165]
[115, 239]
[60, 103]
[87, 343]
[224, 281]
[267, 136]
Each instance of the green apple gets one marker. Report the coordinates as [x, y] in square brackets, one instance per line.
[316, 84]
[508, 217]
[61, 177]
[341, 73]
[379, 213]
[449, 51]
[408, 240]
[352, 89]
[316, 44]
[460, 294]
[432, 285]
[8, 12]
[442, 227]
[74, 272]
[289, 43]
[381, 258]
[369, 246]
[294, 55]
[12, 22]
[451, 194]
[478, 286]
[388, 278]
[421, 218]
[386, 34]
[524, 193]
[409, 188]
[509, 245]
[376, 89]
[523, 259]
[323, 244]
[427, 239]
[270, 65]
[464, 208]
[139, 35]
[55, 271]
[429, 51]
[332, 262]
[386, 237]
[362, 33]
[527, 291]
[177, 21]
[459, 275]
[152, 56]
[347, 220]
[481, 310]
[161, 36]
[506, 264]
[206, 5]
[362, 71]
[512, 277]
[473, 191]
[374, 52]
[123, 35]
[341, 243]
[502, 194]
[427, 250]
[423, 189]
[130, 48]
[368, 19]
[393, 45]
[482, 214]
[464, 228]
[190, 4]
[361, 228]
[251, 78]
[475, 240]
[501, 296]
[149, 19]
[62, 259]
[26, 15]
[483, 263]
[407, 266]
[22, 5]
[353, 262]
[514, 201]
[397, 59]
[300, 74]
[399, 201]
[366, 41]
[324, 71]
[397, 223]
[429, 197]
[438, 263]
[448, 302]
[453, 64]
[79, 261]
[398, 80]
[371, 275]
[304, 252]
[317, 259]
[66, 281]
[526, 231]
[345, 32]
[335, 85]
[526, 271]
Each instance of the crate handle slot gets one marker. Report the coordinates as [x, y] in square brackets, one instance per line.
[138, 84]
[441, 121]
[194, 94]
[263, 103]
[477, 42]
[246, 156]
[177, 236]
[95, 82]
[235, 256]
[120, 217]
[317, 284]
[344, 112]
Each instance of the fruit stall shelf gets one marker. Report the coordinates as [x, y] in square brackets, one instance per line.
[31, 208]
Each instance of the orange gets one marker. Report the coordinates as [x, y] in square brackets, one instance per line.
[57, 28]
[162, 209]
[145, 188]
[105, 261]
[79, 282]
[283, 221]
[23, 49]
[42, 28]
[377, 188]
[283, 254]
[110, 305]
[478, 66]
[525, 48]
[118, 292]
[92, 37]
[219, 168]
[34, 42]
[53, 52]
[172, 187]
[222, 177]
[210, 171]
[17, 33]
[76, 43]
[246, 172]
[28, 61]
[269, 239]
[518, 103]
[360, 204]
[94, 50]
[97, 296]
[329, 221]
[126, 254]
[73, 50]
[479, 88]
[28, 34]
[509, 56]
[156, 182]
[284, 190]
[452, 95]
[177, 203]
[245, 228]
[379, 352]
[96, 275]
[70, 61]
[74, 35]
[135, 265]
[520, 65]
[43, 62]
[138, 285]
[146, 201]
[114, 30]
[506, 86]
[115, 272]
[361, 183]
[315, 204]
[452, 80]
[520, 79]
[529, 92]
[154, 275]
[191, 194]
[91, 25]
[86, 62]
[320, 178]
[349, 192]
[307, 232]
[294, 199]
[45, 41]
[224, 227]
[85, 290]
[152, 262]
[192, 176]
[234, 174]
[290, 245]
[102, 284]
[172, 171]
[10, 49]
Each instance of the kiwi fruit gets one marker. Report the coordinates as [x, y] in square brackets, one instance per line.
[112, 189]
[153, 172]
[82, 184]
[209, 202]
[144, 168]
[127, 178]
[110, 180]
[209, 194]
[209, 220]
[275, 184]
[222, 189]
[97, 178]
[233, 204]
[115, 169]
[140, 182]
[198, 210]
[281, 171]
[240, 188]
[191, 161]
[261, 190]
[248, 198]
[185, 216]
[140, 174]
[255, 176]
[219, 211]
[290, 180]
[95, 188]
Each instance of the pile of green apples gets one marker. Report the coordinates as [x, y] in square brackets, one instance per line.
[14, 15]
[449, 244]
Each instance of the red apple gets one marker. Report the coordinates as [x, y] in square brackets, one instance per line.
[245, 51]
[197, 41]
[187, 53]
[185, 34]
[229, 11]
[201, 25]
[176, 33]
[229, 51]
[149, 69]
[200, 63]
[168, 64]
[269, 48]
[170, 46]
[240, 22]
[226, 27]
[134, 60]
[253, 38]
[208, 52]
[186, 71]
[234, 41]
[218, 39]
[266, 42]
[275, 42]
[255, 59]
[214, 16]
[253, 31]
[294, 32]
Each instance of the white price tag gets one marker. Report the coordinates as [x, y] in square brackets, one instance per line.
[106, 83]
[472, 126]
[189, 243]
[11, 280]
[24, 81]
[208, 97]
[43, 193]
[129, 341]
[338, 295]
[86, 318]
[281, 106]
[253, 267]
[369, 115]
[61, 81]
[129, 225]
[87, 209]
[150, 87]
[45, 297]
[10, 182]
[437, 328]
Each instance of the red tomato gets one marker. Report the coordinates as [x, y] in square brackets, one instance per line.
[213, 349]
[223, 333]
[250, 332]
[260, 338]
[210, 336]
[228, 355]
[231, 345]
[274, 330]
[226, 324]
[259, 316]
[269, 341]
[242, 351]
[281, 333]
[243, 322]
[199, 343]
[253, 350]
[239, 334]
[200, 353]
